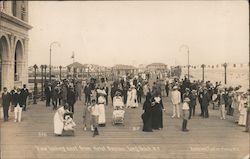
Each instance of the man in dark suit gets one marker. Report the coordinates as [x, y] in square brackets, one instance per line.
[48, 93]
[24, 95]
[87, 92]
[17, 102]
[6, 99]
[107, 94]
[71, 98]
[205, 102]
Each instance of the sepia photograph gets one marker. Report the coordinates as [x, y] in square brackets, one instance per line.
[129, 79]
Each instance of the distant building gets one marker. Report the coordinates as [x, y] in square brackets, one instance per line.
[157, 67]
[75, 69]
[142, 68]
[79, 70]
[13, 43]
[120, 70]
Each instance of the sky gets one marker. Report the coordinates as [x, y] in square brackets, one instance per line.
[139, 32]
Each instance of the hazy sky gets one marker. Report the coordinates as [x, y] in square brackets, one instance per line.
[128, 32]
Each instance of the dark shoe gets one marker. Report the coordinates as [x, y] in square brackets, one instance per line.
[58, 135]
[183, 125]
[95, 132]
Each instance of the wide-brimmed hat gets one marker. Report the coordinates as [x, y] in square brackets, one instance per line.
[193, 91]
[117, 93]
[186, 100]
[175, 87]
[101, 92]
[133, 86]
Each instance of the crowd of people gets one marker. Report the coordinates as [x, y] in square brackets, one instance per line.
[131, 91]
[17, 99]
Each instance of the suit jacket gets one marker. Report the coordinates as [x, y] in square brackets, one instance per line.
[71, 97]
[24, 94]
[205, 99]
[17, 99]
[48, 91]
[6, 99]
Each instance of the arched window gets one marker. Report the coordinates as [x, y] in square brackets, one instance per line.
[17, 60]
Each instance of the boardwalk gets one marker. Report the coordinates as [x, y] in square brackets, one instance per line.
[207, 138]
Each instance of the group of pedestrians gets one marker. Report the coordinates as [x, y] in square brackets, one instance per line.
[62, 92]
[230, 101]
[15, 99]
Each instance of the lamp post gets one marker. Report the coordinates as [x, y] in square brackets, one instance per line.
[225, 68]
[35, 86]
[50, 50]
[88, 71]
[185, 46]
[60, 73]
[203, 66]
[42, 67]
[45, 74]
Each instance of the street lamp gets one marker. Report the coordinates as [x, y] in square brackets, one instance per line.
[185, 46]
[42, 67]
[225, 67]
[50, 50]
[45, 74]
[35, 86]
[60, 67]
[203, 66]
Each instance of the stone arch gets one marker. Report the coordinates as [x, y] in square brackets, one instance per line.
[5, 43]
[18, 59]
[4, 59]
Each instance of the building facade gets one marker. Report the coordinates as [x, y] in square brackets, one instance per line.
[121, 70]
[159, 67]
[14, 29]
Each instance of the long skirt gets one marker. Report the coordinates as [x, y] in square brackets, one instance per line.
[102, 117]
[58, 124]
[157, 122]
[236, 114]
[243, 117]
[147, 121]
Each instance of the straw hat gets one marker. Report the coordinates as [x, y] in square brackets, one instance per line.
[186, 100]
[187, 89]
[193, 91]
[117, 93]
[101, 92]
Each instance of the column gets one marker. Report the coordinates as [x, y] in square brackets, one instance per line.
[7, 74]
[25, 75]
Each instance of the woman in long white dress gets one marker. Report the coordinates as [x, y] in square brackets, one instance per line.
[132, 98]
[243, 111]
[59, 120]
[101, 106]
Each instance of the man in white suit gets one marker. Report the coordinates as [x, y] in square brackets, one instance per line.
[176, 100]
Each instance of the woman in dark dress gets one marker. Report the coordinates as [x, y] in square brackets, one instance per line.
[147, 115]
[157, 107]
